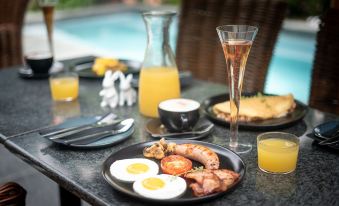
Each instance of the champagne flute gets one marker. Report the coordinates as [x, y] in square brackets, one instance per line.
[47, 7]
[236, 41]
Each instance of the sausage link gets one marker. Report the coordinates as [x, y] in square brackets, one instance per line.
[199, 153]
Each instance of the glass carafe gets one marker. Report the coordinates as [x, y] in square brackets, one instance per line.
[159, 77]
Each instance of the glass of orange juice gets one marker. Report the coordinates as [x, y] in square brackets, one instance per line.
[277, 152]
[64, 86]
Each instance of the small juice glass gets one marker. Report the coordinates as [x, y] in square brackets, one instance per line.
[277, 152]
[64, 86]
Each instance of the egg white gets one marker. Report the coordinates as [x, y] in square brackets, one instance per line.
[174, 187]
[119, 169]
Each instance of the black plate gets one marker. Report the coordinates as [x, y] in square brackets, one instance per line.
[228, 160]
[288, 120]
[84, 69]
[154, 126]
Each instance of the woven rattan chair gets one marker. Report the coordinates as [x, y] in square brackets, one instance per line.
[11, 20]
[325, 76]
[198, 47]
[12, 193]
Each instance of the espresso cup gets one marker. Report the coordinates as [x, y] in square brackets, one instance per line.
[39, 62]
[179, 115]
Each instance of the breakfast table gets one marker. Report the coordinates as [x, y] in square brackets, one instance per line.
[26, 105]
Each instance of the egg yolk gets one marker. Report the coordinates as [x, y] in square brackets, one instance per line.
[137, 168]
[153, 183]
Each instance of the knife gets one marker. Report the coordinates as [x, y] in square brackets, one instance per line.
[84, 140]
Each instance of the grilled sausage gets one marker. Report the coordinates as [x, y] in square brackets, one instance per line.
[199, 153]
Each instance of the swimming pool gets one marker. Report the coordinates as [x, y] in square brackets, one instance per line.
[124, 35]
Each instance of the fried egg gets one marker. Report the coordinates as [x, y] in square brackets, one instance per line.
[129, 170]
[160, 186]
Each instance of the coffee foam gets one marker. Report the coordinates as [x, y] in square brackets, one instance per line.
[39, 55]
[179, 105]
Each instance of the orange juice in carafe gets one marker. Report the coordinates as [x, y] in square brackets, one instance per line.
[159, 78]
[157, 84]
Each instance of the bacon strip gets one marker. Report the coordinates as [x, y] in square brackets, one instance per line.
[208, 181]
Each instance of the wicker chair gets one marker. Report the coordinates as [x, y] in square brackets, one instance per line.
[198, 47]
[12, 193]
[11, 20]
[325, 76]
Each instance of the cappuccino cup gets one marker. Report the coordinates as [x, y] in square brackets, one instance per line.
[39, 62]
[179, 115]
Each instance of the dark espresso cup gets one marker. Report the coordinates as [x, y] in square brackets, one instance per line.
[179, 115]
[39, 62]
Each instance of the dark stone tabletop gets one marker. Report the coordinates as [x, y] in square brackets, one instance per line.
[26, 105]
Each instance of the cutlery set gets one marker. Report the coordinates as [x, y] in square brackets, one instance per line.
[106, 126]
[119, 128]
[105, 120]
[328, 132]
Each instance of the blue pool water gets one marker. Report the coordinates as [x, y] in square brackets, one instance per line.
[123, 35]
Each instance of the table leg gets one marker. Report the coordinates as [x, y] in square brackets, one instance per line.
[67, 198]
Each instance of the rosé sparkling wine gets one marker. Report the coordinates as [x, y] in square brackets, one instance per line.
[236, 41]
[236, 54]
[48, 11]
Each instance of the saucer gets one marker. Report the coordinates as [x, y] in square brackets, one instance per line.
[154, 127]
[27, 73]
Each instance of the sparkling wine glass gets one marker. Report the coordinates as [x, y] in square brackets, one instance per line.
[236, 41]
[47, 7]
